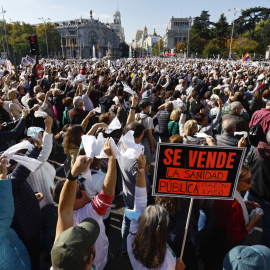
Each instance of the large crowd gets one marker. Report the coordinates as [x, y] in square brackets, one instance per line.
[109, 116]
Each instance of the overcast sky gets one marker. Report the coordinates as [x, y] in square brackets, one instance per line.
[134, 14]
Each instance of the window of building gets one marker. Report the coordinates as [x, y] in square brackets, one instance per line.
[92, 38]
[72, 33]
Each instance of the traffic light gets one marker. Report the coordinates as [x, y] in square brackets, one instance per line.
[260, 56]
[33, 45]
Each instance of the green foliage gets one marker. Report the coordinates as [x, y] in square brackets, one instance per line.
[18, 37]
[242, 45]
[201, 24]
[250, 18]
[53, 37]
[155, 49]
[210, 49]
[220, 30]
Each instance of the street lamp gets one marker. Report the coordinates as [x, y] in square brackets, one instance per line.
[3, 12]
[234, 11]
[189, 26]
[44, 21]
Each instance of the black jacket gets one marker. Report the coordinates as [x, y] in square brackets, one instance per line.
[27, 218]
[241, 122]
[226, 139]
[259, 162]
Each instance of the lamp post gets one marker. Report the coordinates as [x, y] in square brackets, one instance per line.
[44, 21]
[3, 12]
[234, 11]
[189, 26]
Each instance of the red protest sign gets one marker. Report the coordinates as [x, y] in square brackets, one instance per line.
[197, 171]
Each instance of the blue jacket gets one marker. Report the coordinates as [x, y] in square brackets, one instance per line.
[13, 253]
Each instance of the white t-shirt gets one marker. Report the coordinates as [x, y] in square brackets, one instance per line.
[102, 243]
[139, 205]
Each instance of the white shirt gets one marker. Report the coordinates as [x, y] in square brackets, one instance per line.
[102, 243]
[140, 205]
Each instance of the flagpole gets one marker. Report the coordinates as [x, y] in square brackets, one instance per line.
[62, 47]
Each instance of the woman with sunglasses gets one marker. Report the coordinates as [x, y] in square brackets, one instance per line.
[232, 224]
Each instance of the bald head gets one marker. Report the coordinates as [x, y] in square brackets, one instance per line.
[228, 126]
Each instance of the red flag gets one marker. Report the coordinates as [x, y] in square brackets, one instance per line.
[98, 46]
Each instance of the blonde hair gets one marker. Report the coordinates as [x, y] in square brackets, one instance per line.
[190, 127]
[175, 115]
[40, 95]
[11, 94]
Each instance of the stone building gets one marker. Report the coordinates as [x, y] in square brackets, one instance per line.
[80, 36]
[177, 31]
[117, 27]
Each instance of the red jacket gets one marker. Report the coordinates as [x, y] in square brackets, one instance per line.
[229, 217]
[257, 116]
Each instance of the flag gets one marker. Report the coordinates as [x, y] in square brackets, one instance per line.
[61, 41]
[83, 44]
[69, 43]
[72, 46]
[98, 46]
[246, 57]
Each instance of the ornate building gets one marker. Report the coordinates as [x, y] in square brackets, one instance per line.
[177, 31]
[86, 38]
[117, 27]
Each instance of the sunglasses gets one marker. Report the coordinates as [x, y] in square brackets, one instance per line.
[79, 192]
[248, 181]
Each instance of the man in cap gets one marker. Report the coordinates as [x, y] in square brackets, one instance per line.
[74, 246]
[75, 206]
[148, 140]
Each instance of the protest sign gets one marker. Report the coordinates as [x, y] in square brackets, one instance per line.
[194, 171]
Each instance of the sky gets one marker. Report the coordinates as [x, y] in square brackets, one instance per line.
[134, 14]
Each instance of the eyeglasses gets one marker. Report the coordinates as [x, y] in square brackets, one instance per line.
[79, 192]
[248, 181]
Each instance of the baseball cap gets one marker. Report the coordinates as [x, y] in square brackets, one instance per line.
[73, 246]
[247, 258]
[144, 103]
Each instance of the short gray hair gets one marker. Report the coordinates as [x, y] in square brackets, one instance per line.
[235, 105]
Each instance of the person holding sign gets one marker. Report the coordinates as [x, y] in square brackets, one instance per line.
[232, 224]
[149, 252]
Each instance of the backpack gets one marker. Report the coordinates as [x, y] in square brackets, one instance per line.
[139, 118]
[256, 134]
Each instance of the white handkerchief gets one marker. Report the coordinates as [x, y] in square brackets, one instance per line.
[25, 99]
[13, 149]
[115, 124]
[90, 145]
[40, 114]
[30, 163]
[114, 147]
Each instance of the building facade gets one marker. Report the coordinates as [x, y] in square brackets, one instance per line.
[117, 27]
[87, 38]
[177, 31]
[145, 41]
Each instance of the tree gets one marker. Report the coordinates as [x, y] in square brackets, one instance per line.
[124, 48]
[210, 49]
[220, 30]
[53, 37]
[180, 47]
[155, 49]
[250, 18]
[262, 36]
[201, 25]
[18, 37]
[242, 45]
[196, 43]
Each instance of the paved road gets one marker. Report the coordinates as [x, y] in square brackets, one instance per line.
[118, 262]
